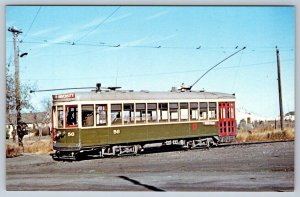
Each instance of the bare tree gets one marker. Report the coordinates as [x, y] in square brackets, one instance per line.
[47, 105]
[43, 126]
[11, 102]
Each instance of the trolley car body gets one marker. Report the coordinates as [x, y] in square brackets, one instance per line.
[116, 122]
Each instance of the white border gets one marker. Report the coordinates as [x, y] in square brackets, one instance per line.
[137, 2]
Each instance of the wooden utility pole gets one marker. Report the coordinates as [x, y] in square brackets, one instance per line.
[279, 90]
[15, 33]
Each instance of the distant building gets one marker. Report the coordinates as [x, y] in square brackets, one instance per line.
[290, 116]
[35, 122]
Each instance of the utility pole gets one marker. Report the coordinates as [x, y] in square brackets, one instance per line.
[279, 89]
[15, 33]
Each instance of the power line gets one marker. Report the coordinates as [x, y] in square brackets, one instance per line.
[162, 73]
[32, 22]
[103, 44]
[102, 22]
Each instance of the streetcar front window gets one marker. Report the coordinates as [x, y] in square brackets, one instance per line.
[212, 110]
[87, 115]
[101, 115]
[72, 115]
[194, 111]
[152, 112]
[116, 114]
[173, 111]
[140, 113]
[184, 111]
[60, 117]
[163, 112]
[128, 113]
[203, 110]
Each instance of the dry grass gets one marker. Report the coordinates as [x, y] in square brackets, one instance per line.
[45, 146]
[12, 150]
[30, 146]
[38, 147]
[258, 136]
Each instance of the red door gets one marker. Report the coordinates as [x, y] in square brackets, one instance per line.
[227, 124]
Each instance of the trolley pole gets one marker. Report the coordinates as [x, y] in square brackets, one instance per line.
[279, 90]
[15, 33]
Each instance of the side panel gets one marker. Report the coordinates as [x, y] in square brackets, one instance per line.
[94, 136]
[75, 139]
[67, 139]
[143, 133]
[227, 124]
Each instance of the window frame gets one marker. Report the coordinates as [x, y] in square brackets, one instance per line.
[105, 106]
[76, 116]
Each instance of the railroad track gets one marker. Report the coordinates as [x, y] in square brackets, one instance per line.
[250, 143]
[163, 149]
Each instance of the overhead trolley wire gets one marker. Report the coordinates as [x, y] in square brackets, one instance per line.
[32, 22]
[120, 45]
[161, 73]
[101, 23]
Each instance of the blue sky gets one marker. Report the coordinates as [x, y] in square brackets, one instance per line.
[157, 49]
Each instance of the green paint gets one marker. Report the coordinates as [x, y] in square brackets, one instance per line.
[138, 133]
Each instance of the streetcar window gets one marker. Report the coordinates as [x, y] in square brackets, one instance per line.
[194, 111]
[72, 115]
[87, 114]
[184, 111]
[60, 117]
[173, 111]
[152, 112]
[128, 113]
[140, 113]
[203, 110]
[212, 114]
[101, 115]
[163, 112]
[116, 114]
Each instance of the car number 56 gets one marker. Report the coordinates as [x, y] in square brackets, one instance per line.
[71, 134]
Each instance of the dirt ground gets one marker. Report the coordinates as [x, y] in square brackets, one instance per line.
[256, 167]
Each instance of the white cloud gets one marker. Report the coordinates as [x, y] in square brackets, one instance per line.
[167, 37]
[114, 19]
[136, 42]
[94, 23]
[91, 24]
[44, 31]
[62, 38]
[157, 15]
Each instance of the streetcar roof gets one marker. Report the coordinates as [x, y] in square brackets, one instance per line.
[142, 95]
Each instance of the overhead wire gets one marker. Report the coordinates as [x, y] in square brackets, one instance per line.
[120, 45]
[32, 22]
[162, 73]
[101, 23]
[103, 44]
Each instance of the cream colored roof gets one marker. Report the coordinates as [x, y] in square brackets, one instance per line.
[146, 95]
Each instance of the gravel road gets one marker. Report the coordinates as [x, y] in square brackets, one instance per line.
[256, 167]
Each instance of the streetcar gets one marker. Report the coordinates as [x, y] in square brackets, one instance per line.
[112, 121]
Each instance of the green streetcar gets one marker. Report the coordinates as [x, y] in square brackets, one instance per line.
[116, 122]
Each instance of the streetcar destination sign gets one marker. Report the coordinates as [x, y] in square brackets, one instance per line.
[63, 96]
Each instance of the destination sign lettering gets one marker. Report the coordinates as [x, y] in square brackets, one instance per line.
[63, 96]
